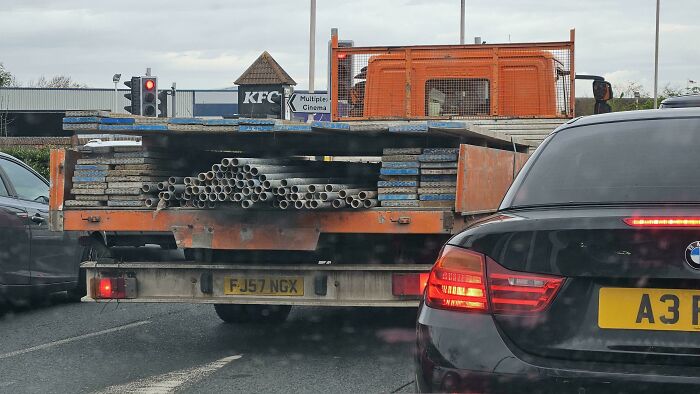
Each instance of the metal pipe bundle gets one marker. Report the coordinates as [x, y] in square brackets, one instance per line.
[279, 183]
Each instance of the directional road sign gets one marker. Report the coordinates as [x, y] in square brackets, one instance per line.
[310, 102]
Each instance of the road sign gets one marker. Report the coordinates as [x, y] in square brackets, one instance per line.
[310, 102]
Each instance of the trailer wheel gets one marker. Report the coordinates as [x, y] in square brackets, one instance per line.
[255, 314]
[96, 249]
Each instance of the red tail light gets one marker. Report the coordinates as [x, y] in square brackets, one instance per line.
[465, 280]
[517, 292]
[457, 281]
[112, 288]
[665, 221]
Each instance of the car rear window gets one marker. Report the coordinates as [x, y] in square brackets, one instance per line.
[632, 161]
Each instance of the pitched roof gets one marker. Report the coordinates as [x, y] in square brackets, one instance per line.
[265, 71]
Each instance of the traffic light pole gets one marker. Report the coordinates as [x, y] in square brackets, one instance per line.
[172, 92]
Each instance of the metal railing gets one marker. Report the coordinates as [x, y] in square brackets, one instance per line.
[534, 80]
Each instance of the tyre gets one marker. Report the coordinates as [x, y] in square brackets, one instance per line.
[97, 249]
[255, 314]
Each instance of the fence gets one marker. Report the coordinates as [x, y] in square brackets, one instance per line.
[453, 81]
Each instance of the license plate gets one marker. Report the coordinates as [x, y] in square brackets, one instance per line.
[649, 309]
[264, 285]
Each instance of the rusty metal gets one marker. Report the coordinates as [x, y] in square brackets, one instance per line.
[483, 177]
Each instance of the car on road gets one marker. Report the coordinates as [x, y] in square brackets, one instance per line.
[34, 261]
[587, 279]
[681, 102]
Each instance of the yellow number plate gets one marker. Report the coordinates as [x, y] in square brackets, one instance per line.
[264, 285]
[649, 309]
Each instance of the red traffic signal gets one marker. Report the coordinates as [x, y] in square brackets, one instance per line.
[149, 84]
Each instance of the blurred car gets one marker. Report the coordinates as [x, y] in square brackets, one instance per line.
[587, 279]
[34, 261]
[681, 102]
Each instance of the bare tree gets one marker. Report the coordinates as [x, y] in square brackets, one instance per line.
[5, 120]
[57, 81]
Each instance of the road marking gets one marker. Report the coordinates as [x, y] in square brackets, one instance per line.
[169, 382]
[72, 339]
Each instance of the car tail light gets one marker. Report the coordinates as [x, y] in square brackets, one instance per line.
[113, 288]
[408, 284]
[457, 281]
[469, 281]
[665, 221]
[518, 292]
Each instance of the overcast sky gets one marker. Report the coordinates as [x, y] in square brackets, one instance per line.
[207, 44]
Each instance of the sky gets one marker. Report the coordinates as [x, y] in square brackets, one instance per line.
[207, 44]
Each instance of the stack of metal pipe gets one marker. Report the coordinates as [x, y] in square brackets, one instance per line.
[263, 182]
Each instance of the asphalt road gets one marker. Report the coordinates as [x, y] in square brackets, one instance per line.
[70, 348]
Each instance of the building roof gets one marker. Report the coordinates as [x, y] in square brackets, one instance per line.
[265, 71]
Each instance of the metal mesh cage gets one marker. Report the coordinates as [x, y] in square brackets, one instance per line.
[453, 82]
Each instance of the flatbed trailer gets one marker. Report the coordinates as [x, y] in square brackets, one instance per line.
[348, 257]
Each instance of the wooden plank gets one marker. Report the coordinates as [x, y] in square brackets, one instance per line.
[124, 191]
[397, 183]
[132, 203]
[141, 179]
[90, 185]
[400, 164]
[400, 158]
[83, 203]
[91, 197]
[440, 184]
[397, 190]
[124, 185]
[398, 171]
[398, 177]
[138, 172]
[444, 171]
[437, 190]
[437, 197]
[399, 203]
[383, 197]
[402, 151]
[447, 164]
[87, 191]
[116, 197]
[88, 179]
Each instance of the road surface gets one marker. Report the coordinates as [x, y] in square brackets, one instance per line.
[108, 348]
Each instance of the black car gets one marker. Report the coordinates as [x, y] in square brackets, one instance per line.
[33, 260]
[587, 280]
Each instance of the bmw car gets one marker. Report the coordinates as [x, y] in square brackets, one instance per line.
[587, 279]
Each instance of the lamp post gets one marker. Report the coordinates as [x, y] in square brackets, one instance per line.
[115, 79]
[656, 58]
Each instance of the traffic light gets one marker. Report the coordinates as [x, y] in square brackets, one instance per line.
[134, 96]
[149, 90]
[163, 104]
[276, 109]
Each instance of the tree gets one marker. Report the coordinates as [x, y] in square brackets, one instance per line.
[627, 100]
[6, 77]
[57, 81]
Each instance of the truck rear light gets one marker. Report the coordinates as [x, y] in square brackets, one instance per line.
[408, 284]
[465, 280]
[457, 281]
[113, 288]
